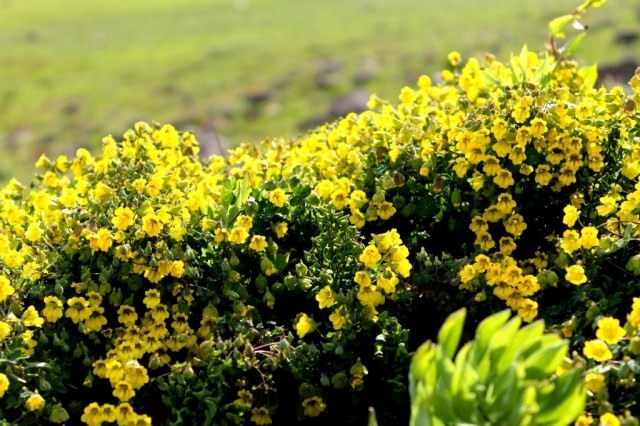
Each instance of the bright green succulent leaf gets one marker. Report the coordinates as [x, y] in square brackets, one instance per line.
[558, 25]
[545, 361]
[451, 331]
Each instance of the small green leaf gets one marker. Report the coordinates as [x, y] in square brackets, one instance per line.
[557, 25]
[451, 331]
[545, 361]
[572, 45]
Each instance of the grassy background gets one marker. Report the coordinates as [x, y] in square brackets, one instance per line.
[72, 71]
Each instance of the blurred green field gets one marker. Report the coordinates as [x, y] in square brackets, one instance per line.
[72, 71]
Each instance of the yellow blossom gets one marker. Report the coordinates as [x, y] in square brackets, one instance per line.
[35, 402]
[575, 275]
[258, 243]
[594, 381]
[571, 215]
[123, 218]
[6, 289]
[4, 384]
[370, 256]
[313, 406]
[609, 419]
[589, 237]
[280, 229]
[597, 350]
[260, 416]
[325, 297]
[278, 197]
[304, 325]
[609, 330]
[5, 330]
[31, 318]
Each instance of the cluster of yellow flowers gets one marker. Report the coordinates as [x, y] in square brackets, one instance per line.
[612, 341]
[102, 244]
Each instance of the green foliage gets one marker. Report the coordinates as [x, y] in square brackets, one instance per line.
[508, 375]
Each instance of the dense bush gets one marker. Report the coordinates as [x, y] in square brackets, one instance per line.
[291, 281]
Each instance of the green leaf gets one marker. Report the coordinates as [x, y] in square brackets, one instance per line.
[567, 400]
[545, 361]
[372, 417]
[557, 25]
[572, 45]
[243, 191]
[486, 330]
[451, 331]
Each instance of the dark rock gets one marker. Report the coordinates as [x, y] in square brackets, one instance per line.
[367, 71]
[355, 101]
[258, 95]
[211, 143]
[627, 37]
[327, 73]
[617, 73]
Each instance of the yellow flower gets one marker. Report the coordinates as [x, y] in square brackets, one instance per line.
[53, 308]
[584, 420]
[575, 275]
[388, 281]
[33, 232]
[238, 235]
[260, 416]
[127, 315]
[4, 384]
[125, 413]
[570, 241]
[244, 221]
[571, 215]
[78, 309]
[278, 197]
[386, 210]
[151, 224]
[609, 419]
[597, 350]
[589, 237]
[31, 318]
[280, 229]
[594, 381]
[35, 402]
[325, 297]
[123, 218]
[304, 325]
[123, 391]
[503, 179]
[5, 288]
[528, 310]
[338, 319]
[370, 256]
[96, 320]
[609, 330]
[454, 58]
[152, 298]
[92, 414]
[100, 240]
[5, 330]
[515, 224]
[258, 243]
[362, 278]
[313, 406]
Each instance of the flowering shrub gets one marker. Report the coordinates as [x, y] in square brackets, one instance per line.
[290, 281]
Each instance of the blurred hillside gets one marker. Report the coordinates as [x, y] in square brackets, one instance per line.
[72, 71]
